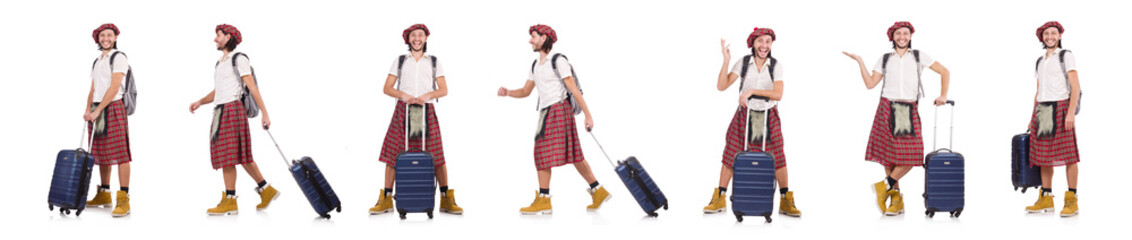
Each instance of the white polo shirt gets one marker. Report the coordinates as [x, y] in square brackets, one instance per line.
[902, 82]
[417, 79]
[759, 78]
[229, 87]
[101, 74]
[551, 90]
[1052, 85]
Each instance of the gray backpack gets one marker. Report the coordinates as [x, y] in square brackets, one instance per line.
[569, 95]
[130, 97]
[246, 97]
[1061, 57]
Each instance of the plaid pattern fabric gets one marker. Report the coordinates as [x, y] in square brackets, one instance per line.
[111, 26]
[759, 32]
[233, 145]
[559, 143]
[1050, 24]
[774, 145]
[890, 150]
[898, 25]
[394, 143]
[231, 30]
[1059, 150]
[405, 34]
[113, 148]
[544, 30]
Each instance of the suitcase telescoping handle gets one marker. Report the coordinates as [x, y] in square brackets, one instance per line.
[935, 129]
[602, 148]
[424, 123]
[87, 126]
[766, 125]
[277, 148]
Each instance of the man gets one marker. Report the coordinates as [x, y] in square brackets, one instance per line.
[557, 142]
[231, 136]
[1053, 134]
[111, 142]
[898, 144]
[415, 79]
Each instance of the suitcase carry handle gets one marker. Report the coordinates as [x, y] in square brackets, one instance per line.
[277, 148]
[935, 129]
[424, 132]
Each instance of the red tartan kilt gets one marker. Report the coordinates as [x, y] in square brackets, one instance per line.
[559, 144]
[234, 142]
[394, 143]
[113, 148]
[735, 135]
[1059, 150]
[889, 150]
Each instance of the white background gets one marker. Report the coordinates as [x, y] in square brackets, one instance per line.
[648, 69]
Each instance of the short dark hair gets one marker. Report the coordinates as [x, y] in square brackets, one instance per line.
[909, 44]
[424, 48]
[231, 44]
[547, 44]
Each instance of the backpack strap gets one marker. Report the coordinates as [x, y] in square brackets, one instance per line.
[434, 86]
[554, 65]
[773, 62]
[743, 73]
[400, 63]
[919, 72]
[1061, 58]
[235, 68]
[126, 79]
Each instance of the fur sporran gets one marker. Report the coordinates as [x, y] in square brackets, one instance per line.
[542, 122]
[217, 113]
[757, 127]
[416, 122]
[99, 130]
[1047, 120]
[900, 119]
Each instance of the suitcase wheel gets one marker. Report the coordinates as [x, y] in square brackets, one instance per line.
[767, 218]
[738, 216]
[666, 206]
[64, 211]
[653, 214]
[325, 216]
[429, 214]
[50, 207]
[955, 214]
[339, 209]
[1023, 190]
[930, 213]
[402, 213]
[77, 212]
